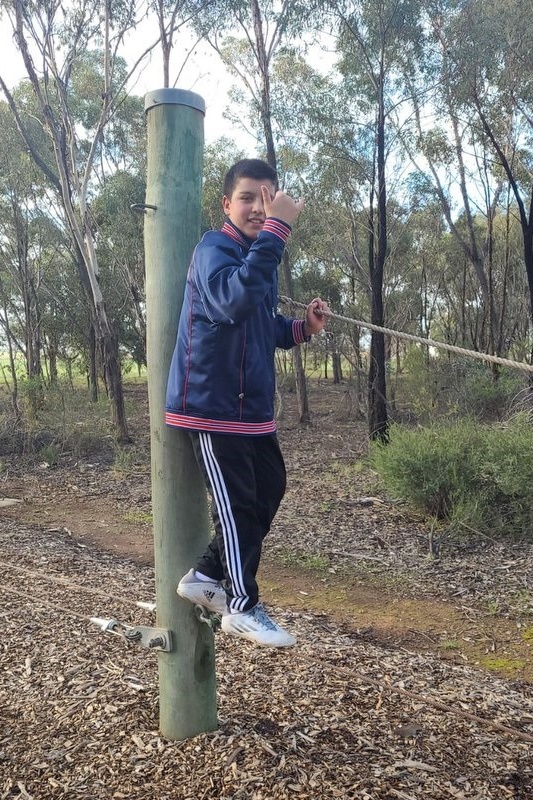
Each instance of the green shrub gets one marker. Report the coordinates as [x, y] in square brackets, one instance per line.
[428, 467]
[50, 454]
[482, 395]
[417, 387]
[467, 474]
[508, 472]
[438, 385]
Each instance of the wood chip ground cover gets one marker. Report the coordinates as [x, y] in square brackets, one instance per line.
[80, 709]
[339, 716]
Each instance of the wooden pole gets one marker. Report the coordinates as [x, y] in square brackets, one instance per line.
[187, 696]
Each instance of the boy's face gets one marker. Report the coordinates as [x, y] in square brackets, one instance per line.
[245, 206]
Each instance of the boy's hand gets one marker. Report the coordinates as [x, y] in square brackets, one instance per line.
[315, 316]
[281, 206]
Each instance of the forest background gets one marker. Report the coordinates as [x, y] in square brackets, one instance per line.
[408, 128]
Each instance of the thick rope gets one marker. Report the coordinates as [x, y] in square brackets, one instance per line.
[61, 581]
[36, 600]
[506, 362]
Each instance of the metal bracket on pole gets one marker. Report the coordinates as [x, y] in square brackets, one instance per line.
[146, 636]
[141, 207]
[151, 607]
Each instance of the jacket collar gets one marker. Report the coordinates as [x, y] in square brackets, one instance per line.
[231, 230]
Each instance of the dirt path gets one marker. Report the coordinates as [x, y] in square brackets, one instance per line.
[379, 609]
[339, 546]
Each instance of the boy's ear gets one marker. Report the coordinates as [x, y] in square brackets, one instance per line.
[226, 204]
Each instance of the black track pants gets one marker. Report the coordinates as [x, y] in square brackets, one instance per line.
[246, 478]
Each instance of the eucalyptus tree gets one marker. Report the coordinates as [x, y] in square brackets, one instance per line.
[121, 258]
[495, 75]
[65, 316]
[58, 34]
[315, 133]
[454, 158]
[248, 35]
[461, 314]
[265, 28]
[21, 194]
[173, 16]
[426, 267]
[41, 307]
[42, 311]
[371, 37]
[328, 118]
[25, 237]
[473, 82]
[71, 54]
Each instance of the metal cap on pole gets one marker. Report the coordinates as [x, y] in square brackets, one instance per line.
[172, 209]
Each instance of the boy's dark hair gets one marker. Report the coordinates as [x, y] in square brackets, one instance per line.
[249, 168]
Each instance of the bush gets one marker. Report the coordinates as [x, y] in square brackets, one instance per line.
[508, 471]
[455, 387]
[65, 422]
[480, 394]
[464, 473]
[417, 388]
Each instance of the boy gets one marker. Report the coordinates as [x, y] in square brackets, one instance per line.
[221, 390]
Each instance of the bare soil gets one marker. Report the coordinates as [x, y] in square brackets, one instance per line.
[339, 547]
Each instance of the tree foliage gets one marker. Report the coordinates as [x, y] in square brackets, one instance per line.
[407, 127]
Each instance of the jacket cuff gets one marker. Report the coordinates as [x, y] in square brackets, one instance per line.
[298, 332]
[278, 228]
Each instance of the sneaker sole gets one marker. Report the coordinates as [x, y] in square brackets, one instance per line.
[250, 638]
[196, 602]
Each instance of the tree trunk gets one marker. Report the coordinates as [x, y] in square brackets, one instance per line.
[299, 372]
[528, 260]
[30, 303]
[377, 387]
[114, 382]
[92, 366]
[52, 364]
[12, 365]
[263, 63]
[337, 368]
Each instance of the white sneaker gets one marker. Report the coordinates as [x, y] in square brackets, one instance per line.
[257, 626]
[203, 593]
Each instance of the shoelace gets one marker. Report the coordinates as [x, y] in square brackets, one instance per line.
[262, 618]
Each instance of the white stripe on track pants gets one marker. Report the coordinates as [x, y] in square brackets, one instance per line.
[246, 478]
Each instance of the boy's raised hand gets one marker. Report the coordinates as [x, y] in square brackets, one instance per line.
[281, 206]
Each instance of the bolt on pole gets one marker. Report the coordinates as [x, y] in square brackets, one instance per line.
[175, 139]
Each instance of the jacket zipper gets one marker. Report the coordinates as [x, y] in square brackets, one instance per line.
[242, 373]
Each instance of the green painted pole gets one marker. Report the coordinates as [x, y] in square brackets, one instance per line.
[187, 684]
